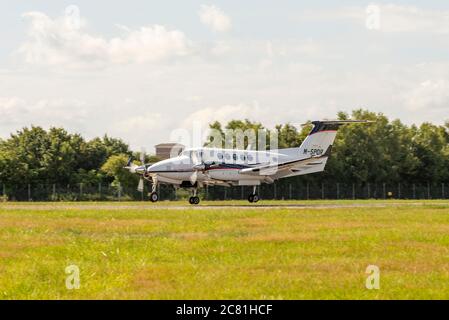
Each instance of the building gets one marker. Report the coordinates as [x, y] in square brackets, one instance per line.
[168, 150]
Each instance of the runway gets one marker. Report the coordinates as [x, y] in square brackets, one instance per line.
[205, 206]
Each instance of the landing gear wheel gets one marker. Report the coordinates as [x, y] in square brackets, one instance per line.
[253, 198]
[154, 197]
[194, 200]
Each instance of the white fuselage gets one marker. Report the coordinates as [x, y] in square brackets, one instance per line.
[227, 162]
[224, 166]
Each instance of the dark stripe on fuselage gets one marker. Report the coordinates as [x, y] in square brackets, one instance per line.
[221, 166]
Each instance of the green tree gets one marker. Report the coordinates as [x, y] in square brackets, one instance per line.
[114, 167]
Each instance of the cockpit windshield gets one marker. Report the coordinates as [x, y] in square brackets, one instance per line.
[194, 155]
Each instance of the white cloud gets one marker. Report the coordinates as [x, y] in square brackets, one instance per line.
[392, 18]
[17, 112]
[225, 113]
[214, 18]
[428, 96]
[57, 42]
[220, 48]
[398, 18]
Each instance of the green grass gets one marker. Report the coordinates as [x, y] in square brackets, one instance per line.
[166, 251]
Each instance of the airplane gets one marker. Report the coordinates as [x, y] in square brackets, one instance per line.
[195, 168]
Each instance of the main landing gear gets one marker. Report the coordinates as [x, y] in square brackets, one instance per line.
[194, 199]
[154, 197]
[253, 197]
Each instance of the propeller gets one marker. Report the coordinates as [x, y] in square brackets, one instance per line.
[131, 166]
[199, 165]
[139, 169]
[141, 184]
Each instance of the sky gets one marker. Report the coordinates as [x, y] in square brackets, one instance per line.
[146, 70]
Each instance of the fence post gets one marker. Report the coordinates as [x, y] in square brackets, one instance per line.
[399, 190]
[274, 186]
[29, 192]
[384, 189]
[225, 189]
[290, 191]
[368, 190]
[54, 192]
[338, 191]
[119, 191]
[4, 190]
[353, 191]
[81, 190]
[414, 191]
[442, 191]
[99, 189]
[307, 191]
[322, 190]
[428, 190]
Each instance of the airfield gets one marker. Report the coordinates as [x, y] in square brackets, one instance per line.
[225, 249]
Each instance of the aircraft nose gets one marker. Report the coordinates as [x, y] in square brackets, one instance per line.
[153, 168]
[140, 170]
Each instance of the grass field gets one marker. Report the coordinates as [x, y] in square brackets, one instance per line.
[306, 250]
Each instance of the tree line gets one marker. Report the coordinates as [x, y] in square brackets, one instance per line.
[385, 151]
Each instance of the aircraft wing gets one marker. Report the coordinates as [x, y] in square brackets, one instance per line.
[293, 165]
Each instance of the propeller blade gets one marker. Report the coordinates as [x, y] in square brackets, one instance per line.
[140, 185]
[131, 167]
[193, 177]
[195, 159]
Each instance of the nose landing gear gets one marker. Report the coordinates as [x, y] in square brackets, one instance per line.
[154, 197]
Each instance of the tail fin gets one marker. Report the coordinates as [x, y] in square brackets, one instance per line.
[320, 140]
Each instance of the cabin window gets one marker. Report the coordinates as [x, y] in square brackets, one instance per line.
[242, 157]
[234, 156]
[227, 156]
[212, 153]
[250, 157]
[220, 156]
